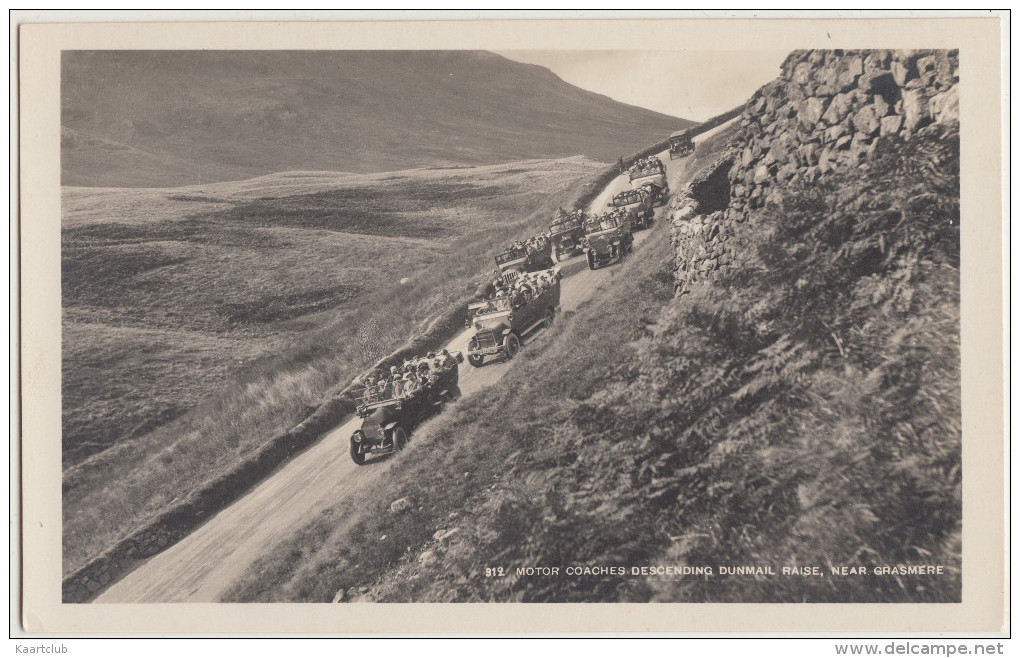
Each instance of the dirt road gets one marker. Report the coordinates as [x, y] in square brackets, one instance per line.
[201, 566]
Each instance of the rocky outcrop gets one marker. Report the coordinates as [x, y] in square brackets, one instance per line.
[829, 110]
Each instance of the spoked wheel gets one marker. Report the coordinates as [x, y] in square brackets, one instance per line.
[474, 359]
[399, 438]
[356, 455]
[511, 345]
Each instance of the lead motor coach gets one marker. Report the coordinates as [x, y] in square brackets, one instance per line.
[387, 420]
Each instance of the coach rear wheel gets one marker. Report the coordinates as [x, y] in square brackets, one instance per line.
[399, 438]
[511, 345]
[356, 455]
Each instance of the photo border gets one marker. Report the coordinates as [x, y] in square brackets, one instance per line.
[984, 208]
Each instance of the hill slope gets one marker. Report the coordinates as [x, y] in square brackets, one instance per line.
[169, 118]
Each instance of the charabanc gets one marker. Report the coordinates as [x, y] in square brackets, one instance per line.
[649, 170]
[680, 145]
[607, 238]
[386, 423]
[638, 204]
[565, 234]
[500, 327]
[515, 260]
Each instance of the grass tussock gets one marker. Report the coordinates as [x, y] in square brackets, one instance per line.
[188, 344]
[800, 408]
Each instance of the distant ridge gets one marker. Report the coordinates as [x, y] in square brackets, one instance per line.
[171, 118]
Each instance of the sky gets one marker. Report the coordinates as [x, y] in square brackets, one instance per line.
[685, 84]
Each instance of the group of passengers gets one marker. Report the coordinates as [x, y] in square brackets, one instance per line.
[605, 221]
[520, 292]
[563, 217]
[648, 164]
[534, 244]
[406, 380]
[630, 196]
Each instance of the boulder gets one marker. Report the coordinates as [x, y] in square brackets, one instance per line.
[793, 94]
[837, 109]
[891, 124]
[916, 111]
[834, 133]
[945, 107]
[683, 214]
[927, 68]
[802, 73]
[865, 121]
[774, 102]
[877, 60]
[843, 142]
[786, 172]
[937, 69]
[444, 533]
[761, 174]
[900, 72]
[825, 90]
[400, 505]
[881, 105]
[811, 111]
[808, 153]
[859, 145]
[339, 596]
[849, 72]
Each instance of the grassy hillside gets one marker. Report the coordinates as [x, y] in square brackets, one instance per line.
[801, 407]
[190, 341]
[170, 118]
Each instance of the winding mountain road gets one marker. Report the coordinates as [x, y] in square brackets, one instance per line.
[201, 566]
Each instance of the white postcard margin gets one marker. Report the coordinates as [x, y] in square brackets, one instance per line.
[984, 207]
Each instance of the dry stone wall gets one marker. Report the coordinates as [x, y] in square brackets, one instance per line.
[828, 110]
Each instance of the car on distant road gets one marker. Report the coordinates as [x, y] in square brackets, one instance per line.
[680, 145]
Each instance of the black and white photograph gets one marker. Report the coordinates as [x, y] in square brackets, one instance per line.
[629, 322]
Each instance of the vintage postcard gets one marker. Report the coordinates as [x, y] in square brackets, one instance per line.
[475, 324]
